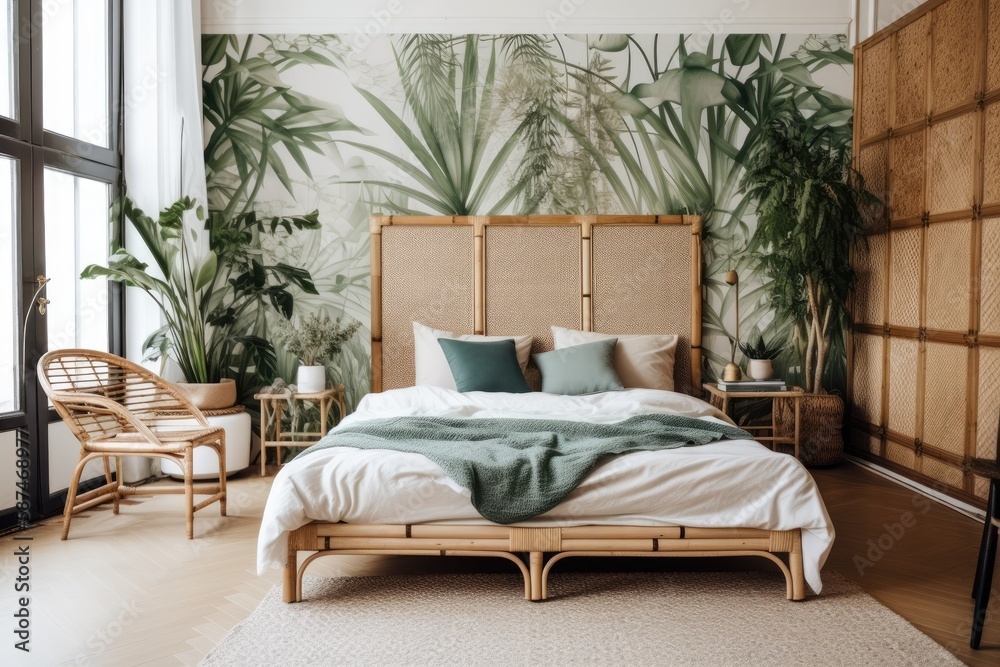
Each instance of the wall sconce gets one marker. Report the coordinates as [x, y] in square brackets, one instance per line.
[732, 372]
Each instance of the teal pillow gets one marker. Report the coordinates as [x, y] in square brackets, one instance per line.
[484, 365]
[580, 369]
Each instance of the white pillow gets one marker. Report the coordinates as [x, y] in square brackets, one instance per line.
[642, 362]
[432, 367]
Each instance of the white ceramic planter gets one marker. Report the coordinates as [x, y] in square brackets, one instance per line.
[311, 379]
[206, 464]
[760, 369]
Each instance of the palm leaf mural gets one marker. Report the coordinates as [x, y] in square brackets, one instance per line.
[516, 124]
[259, 128]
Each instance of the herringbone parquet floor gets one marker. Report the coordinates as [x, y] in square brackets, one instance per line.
[131, 590]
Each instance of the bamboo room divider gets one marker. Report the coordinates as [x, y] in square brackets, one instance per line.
[924, 382]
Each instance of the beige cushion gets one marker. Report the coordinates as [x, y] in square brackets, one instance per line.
[432, 367]
[642, 362]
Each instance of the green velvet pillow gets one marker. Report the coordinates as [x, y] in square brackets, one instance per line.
[580, 369]
[484, 365]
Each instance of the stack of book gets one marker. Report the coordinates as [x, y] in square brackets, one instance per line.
[753, 385]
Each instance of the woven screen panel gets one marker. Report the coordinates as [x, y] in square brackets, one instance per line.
[902, 417]
[948, 266]
[981, 486]
[865, 442]
[900, 455]
[868, 378]
[943, 472]
[869, 288]
[904, 278]
[911, 72]
[532, 282]
[873, 163]
[993, 46]
[953, 66]
[988, 409]
[875, 89]
[427, 276]
[944, 396]
[989, 304]
[907, 176]
[951, 158]
[991, 154]
[641, 279]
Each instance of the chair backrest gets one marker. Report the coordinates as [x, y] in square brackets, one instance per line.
[100, 395]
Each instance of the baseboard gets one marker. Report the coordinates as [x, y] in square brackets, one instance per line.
[959, 506]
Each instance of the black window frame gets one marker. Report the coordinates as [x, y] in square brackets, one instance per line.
[37, 149]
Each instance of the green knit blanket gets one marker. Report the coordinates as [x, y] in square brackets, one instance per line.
[517, 469]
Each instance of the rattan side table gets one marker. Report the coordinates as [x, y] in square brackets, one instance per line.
[273, 405]
[795, 393]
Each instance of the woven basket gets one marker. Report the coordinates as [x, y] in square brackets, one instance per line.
[822, 417]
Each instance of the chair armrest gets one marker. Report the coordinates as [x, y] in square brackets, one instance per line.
[86, 402]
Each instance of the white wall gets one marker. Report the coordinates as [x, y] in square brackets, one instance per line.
[544, 16]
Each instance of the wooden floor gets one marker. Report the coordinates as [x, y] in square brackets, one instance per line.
[131, 590]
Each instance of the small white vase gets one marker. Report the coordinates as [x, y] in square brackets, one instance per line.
[760, 369]
[311, 379]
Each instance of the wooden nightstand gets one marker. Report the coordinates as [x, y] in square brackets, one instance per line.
[272, 406]
[718, 396]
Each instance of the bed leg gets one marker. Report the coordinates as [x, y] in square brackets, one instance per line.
[288, 592]
[795, 565]
[535, 561]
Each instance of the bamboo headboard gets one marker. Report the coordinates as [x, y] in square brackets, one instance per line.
[500, 275]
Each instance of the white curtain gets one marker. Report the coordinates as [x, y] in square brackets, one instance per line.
[163, 135]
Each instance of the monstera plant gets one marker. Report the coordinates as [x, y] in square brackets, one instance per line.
[214, 306]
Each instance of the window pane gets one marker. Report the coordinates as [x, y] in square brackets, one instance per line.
[76, 234]
[10, 324]
[75, 69]
[8, 61]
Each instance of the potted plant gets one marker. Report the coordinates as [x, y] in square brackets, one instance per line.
[810, 203]
[314, 341]
[759, 357]
[214, 306]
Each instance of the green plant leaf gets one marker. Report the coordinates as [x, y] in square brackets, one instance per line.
[207, 270]
[743, 49]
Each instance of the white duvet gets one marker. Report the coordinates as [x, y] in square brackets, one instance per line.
[733, 483]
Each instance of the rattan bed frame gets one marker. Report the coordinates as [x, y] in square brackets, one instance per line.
[522, 274]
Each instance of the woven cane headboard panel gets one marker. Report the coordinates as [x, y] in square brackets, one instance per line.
[517, 275]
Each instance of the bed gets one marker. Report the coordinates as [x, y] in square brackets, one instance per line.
[513, 275]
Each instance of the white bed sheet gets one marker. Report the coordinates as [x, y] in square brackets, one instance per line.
[733, 483]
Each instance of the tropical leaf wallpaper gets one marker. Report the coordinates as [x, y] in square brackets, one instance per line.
[516, 124]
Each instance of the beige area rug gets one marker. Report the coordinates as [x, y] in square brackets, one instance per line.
[684, 618]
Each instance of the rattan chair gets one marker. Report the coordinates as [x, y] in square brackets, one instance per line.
[988, 547]
[117, 408]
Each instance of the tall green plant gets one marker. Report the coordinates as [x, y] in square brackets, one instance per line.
[809, 207]
[212, 307]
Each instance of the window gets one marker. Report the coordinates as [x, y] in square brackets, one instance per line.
[76, 234]
[8, 61]
[75, 60]
[10, 320]
[59, 171]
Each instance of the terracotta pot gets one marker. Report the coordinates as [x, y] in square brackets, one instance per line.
[760, 369]
[311, 379]
[210, 395]
[822, 420]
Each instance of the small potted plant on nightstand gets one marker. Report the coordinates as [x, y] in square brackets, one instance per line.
[315, 341]
[759, 357]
